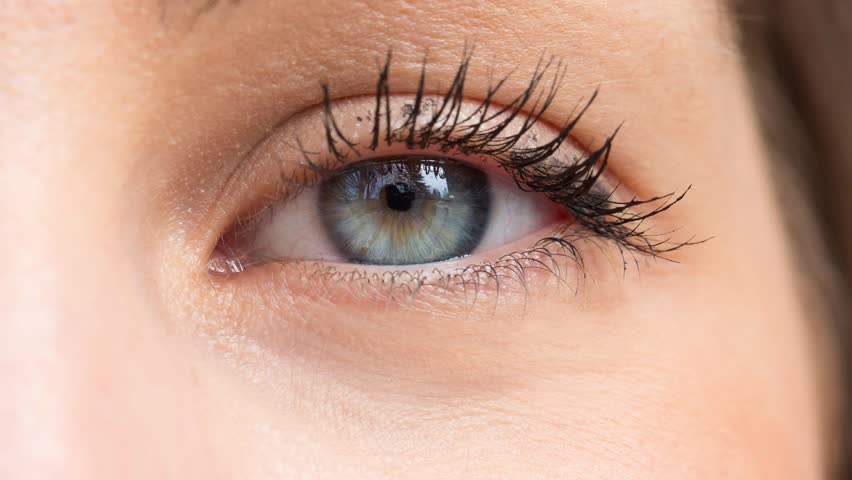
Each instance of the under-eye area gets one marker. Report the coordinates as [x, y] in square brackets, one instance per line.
[433, 189]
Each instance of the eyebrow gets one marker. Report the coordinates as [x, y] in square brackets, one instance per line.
[170, 10]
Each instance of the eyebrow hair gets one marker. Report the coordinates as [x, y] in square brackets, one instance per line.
[168, 9]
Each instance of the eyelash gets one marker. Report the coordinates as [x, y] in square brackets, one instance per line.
[574, 185]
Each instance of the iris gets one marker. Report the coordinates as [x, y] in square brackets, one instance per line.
[405, 210]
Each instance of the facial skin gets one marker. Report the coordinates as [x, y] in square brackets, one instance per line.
[123, 128]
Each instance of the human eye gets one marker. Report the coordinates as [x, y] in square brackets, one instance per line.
[401, 210]
[438, 190]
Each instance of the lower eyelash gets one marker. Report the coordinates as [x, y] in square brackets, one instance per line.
[557, 257]
[472, 282]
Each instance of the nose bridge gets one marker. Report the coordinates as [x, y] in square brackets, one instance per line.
[77, 346]
[80, 346]
[32, 371]
[34, 368]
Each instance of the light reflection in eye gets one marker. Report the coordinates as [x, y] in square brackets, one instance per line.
[437, 184]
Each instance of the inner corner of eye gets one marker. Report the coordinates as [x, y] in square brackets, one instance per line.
[223, 260]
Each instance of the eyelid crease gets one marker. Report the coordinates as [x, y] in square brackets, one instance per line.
[517, 106]
[302, 147]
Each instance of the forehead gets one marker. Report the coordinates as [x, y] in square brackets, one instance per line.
[495, 15]
[271, 54]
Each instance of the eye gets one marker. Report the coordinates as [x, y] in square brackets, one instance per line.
[400, 210]
[403, 181]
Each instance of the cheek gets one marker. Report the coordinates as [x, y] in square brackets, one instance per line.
[640, 381]
[497, 405]
[731, 375]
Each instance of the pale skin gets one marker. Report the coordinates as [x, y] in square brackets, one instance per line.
[123, 357]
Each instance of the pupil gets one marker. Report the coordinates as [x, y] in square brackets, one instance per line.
[399, 196]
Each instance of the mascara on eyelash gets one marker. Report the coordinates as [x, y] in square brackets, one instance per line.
[575, 185]
[503, 133]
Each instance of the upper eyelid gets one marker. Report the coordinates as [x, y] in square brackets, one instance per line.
[278, 165]
[302, 142]
[545, 79]
[274, 152]
[491, 135]
[548, 74]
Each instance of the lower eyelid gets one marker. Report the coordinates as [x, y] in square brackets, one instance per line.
[522, 268]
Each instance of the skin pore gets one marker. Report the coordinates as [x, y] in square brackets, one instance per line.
[125, 132]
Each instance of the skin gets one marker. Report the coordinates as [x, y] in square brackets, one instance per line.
[123, 357]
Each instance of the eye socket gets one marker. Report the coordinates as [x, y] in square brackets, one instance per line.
[399, 210]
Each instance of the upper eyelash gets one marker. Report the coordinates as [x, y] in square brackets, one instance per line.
[573, 185]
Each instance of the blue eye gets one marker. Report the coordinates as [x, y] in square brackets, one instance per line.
[405, 210]
[391, 181]
[395, 210]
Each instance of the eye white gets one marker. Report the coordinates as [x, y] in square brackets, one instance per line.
[294, 229]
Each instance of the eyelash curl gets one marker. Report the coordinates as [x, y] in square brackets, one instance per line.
[437, 122]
